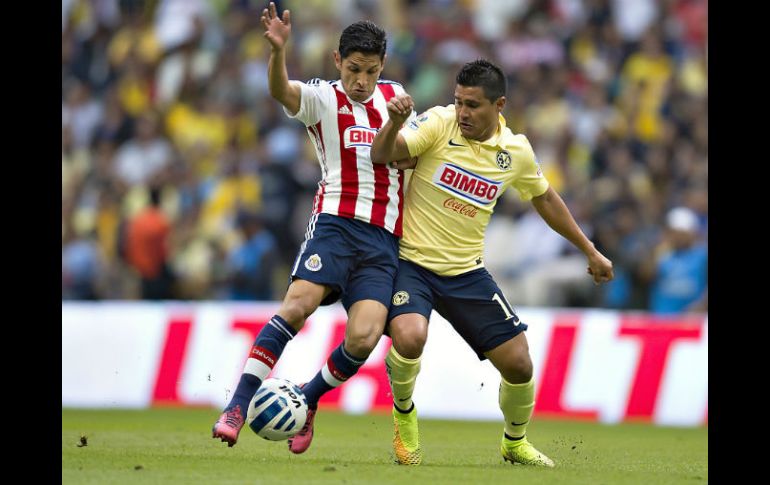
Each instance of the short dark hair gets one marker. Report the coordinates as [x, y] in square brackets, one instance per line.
[365, 37]
[486, 75]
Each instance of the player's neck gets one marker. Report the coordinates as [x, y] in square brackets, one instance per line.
[488, 133]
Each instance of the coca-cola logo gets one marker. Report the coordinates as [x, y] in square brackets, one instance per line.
[460, 207]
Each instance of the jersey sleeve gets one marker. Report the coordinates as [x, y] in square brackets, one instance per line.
[422, 132]
[530, 181]
[313, 96]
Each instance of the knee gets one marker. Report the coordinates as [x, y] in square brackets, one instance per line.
[361, 343]
[409, 340]
[518, 369]
[296, 309]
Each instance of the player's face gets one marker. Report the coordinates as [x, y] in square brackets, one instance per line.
[359, 73]
[476, 115]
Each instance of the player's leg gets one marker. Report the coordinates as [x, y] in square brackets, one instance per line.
[301, 300]
[366, 297]
[410, 310]
[517, 400]
[408, 332]
[366, 321]
[517, 390]
[318, 277]
[479, 311]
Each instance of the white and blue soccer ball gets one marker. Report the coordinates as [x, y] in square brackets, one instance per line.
[278, 410]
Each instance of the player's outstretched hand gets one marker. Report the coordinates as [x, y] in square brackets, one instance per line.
[600, 268]
[399, 108]
[277, 31]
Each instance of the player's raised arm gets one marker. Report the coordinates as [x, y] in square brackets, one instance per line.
[388, 145]
[555, 213]
[277, 32]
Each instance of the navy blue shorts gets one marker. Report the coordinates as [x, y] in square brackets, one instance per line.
[472, 302]
[357, 260]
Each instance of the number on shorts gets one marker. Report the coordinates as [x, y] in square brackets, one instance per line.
[505, 306]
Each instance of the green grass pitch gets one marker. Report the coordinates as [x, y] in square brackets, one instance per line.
[171, 446]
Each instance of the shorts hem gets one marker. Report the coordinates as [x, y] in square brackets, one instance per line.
[499, 340]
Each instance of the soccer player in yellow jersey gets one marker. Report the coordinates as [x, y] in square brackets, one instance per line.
[465, 159]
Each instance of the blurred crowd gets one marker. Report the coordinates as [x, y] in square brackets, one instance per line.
[183, 179]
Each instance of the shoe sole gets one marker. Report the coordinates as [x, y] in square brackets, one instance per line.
[225, 439]
[297, 452]
[409, 461]
[310, 441]
[412, 458]
[513, 462]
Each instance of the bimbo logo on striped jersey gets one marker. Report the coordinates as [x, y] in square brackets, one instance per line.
[359, 136]
[466, 184]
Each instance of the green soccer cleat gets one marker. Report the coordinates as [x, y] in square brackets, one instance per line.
[406, 444]
[522, 451]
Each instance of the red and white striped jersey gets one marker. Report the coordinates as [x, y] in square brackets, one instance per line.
[342, 131]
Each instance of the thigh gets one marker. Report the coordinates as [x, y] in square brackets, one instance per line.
[376, 266]
[411, 292]
[327, 255]
[512, 359]
[305, 294]
[367, 283]
[477, 309]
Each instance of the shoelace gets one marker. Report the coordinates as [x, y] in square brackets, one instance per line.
[233, 418]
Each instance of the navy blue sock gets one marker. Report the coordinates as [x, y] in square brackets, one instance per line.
[263, 356]
[340, 367]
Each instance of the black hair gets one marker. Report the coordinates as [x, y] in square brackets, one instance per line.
[365, 37]
[486, 75]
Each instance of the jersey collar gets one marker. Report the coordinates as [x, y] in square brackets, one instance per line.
[497, 138]
[341, 88]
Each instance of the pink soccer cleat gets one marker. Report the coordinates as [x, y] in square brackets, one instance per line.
[229, 425]
[300, 442]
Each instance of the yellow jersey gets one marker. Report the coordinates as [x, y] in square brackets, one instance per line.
[455, 186]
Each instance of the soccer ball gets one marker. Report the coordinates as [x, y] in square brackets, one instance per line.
[278, 410]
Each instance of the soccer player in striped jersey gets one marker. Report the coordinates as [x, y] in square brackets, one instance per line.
[466, 159]
[350, 252]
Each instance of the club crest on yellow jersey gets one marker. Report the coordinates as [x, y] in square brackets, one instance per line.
[503, 160]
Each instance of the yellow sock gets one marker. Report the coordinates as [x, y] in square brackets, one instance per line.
[402, 373]
[517, 402]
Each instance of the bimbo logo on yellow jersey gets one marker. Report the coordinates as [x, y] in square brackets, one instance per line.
[466, 184]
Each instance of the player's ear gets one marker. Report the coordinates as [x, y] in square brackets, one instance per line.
[500, 103]
[382, 64]
[338, 60]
